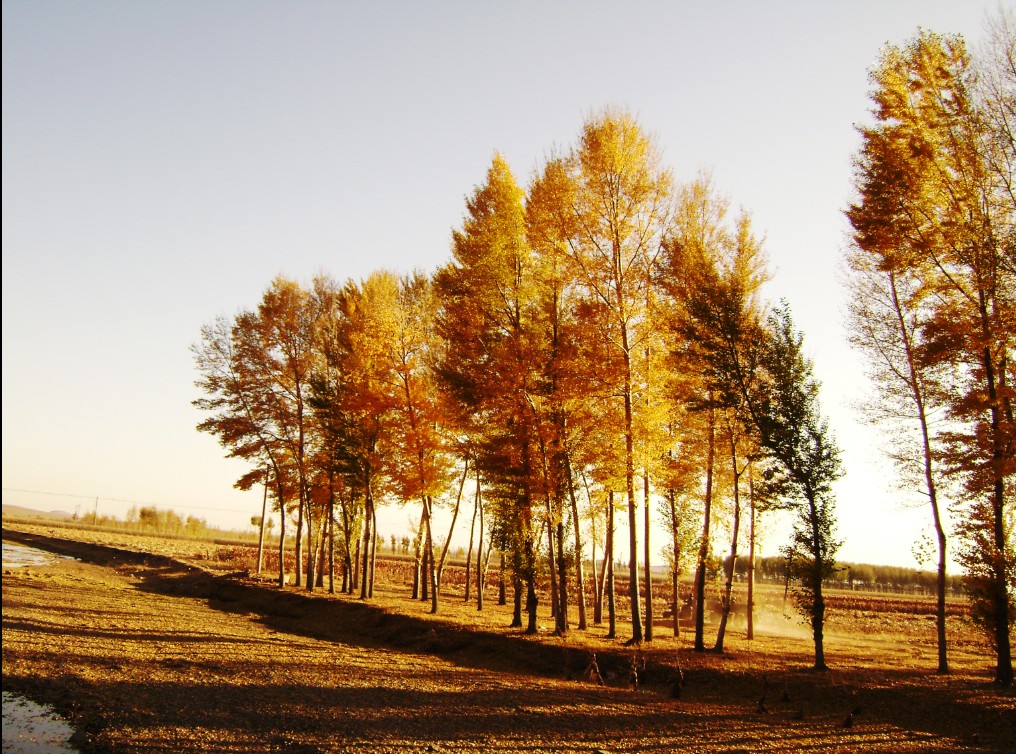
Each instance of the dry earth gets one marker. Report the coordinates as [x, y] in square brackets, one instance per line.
[153, 654]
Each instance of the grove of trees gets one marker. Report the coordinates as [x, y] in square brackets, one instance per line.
[601, 335]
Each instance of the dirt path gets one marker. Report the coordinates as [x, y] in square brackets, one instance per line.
[148, 659]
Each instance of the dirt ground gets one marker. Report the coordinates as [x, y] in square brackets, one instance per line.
[156, 655]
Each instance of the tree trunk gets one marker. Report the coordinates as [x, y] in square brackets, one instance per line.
[648, 554]
[261, 529]
[298, 580]
[1003, 645]
[675, 571]
[700, 570]
[750, 607]
[629, 480]
[818, 604]
[469, 552]
[331, 543]
[728, 586]
[481, 560]
[579, 575]
[929, 479]
[502, 589]
[282, 540]
[608, 556]
[532, 599]
[552, 567]
[311, 549]
[562, 580]
[322, 543]
[368, 523]
[356, 563]
[517, 606]
[373, 549]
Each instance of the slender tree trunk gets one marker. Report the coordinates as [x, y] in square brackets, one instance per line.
[282, 540]
[502, 589]
[675, 571]
[700, 570]
[750, 607]
[311, 549]
[552, 567]
[356, 562]
[425, 566]
[331, 541]
[608, 556]
[918, 394]
[298, 580]
[629, 480]
[1003, 645]
[469, 552]
[261, 529]
[577, 525]
[648, 555]
[481, 560]
[532, 600]
[562, 580]
[373, 549]
[597, 577]
[322, 544]
[818, 604]
[347, 541]
[432, 567]
[368, 523]
[439, 570]
[729, 584]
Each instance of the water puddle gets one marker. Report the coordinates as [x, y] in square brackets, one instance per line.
[30, 728]
[18, 556]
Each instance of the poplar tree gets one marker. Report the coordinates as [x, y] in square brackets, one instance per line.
[714, 268]
[238, 413]
[936, 198]
[490, 368]
[621, 208]
[806, 461]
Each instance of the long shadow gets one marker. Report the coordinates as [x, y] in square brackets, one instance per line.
[902, 699]
[299, 717]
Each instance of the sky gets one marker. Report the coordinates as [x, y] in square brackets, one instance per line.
[164, 161]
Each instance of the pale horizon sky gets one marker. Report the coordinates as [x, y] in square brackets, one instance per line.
[163, 161]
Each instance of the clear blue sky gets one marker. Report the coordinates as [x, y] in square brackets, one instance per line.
[162, 161]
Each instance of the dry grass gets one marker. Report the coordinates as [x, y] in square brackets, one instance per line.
[156, 656]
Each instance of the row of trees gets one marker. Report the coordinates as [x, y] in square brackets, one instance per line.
[599, 334]
[933, 281]
[602, 334]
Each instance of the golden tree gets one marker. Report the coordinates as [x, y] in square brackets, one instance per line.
[936, 206]
[620, 208]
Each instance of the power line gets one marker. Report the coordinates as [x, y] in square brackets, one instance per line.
[121, 500]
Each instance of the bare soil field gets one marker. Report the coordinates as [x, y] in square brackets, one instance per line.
[150, 645]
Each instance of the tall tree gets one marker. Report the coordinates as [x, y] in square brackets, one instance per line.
[239, 414]
[421, 444]
[366, 402]
[888, 307]
[621, 209]
[282, 357]
[936, 196]
[713, 271]
[784, 410]
[490, 367]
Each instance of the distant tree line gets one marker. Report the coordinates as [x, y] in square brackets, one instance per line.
[597, 343]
